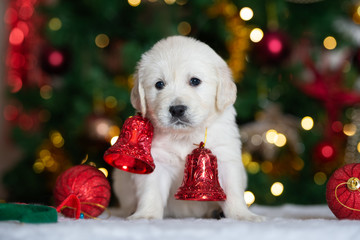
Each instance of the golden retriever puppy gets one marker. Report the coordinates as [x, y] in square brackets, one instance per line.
[184, 88]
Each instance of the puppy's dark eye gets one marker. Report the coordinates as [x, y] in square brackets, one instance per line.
[194, 82]
[159, 85]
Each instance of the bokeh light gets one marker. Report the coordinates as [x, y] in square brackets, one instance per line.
[169, 2]
[281, 140]
[102, 40]
[46, 92]
[256, 35]
[307, 123]
[277, 189]
[271, 136]
[57, 139]
[16, 36]
[266, 166]
[327, 151]
[320, 178]
[330, 43]
[15, 83]
[275, 46]
[134, 3]
[249, 197]
[349, 129]
[253, 167]
[111, 102]
[56, 58]
[246, 13]
[246, 158]
[55, 24]
[11, 112]
[184, 28]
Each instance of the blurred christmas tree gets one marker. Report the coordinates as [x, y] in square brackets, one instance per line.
[296, 64]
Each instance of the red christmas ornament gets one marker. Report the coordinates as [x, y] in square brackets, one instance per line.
[82, 189]
[200, 182]
[132, 150]
[342, 192]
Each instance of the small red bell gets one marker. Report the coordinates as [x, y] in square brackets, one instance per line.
[200, 181]
[132, 150]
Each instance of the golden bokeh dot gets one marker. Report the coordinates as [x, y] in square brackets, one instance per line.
[320, 178]
[256, 35]
[46, 92]
[330, 43]
[102, 40]
[184, 28]
[349, 129]
[253, 167]
[169, 2]
[249, 197]
[266, 166]
[111, 102]
[281, 140]
[277, 189]
[134, 3]
[246, 158]
[55, 24]
[307, 123]
[246, 13]
[271, 136]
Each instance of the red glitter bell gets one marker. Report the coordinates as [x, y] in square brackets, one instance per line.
[132, 150]
[200, 181]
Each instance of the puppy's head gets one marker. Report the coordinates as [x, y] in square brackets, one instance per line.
[181, 83]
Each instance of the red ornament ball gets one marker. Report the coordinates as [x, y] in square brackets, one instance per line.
[82, 189]
[342, 192]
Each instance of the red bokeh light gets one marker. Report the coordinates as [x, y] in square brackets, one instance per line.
[10, 16]
[16, 36]
[15, 82]
[23, 26]
[26, 11]
[337, 126]
[275, 46]
[16, 60]
[11, 113]
[327, 151]
[56, 58]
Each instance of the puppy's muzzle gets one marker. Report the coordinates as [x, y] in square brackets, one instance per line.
[177, 111]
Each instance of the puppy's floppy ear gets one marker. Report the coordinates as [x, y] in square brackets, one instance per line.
[138, 95]
[226, 88]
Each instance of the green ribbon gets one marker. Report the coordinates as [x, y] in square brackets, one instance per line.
[27, 213]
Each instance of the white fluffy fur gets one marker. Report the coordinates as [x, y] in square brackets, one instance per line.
[175, 60]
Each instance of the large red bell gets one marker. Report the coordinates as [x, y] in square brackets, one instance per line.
[200, 181]
[132, 150]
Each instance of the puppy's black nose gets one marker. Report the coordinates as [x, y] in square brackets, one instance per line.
[178, 110]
